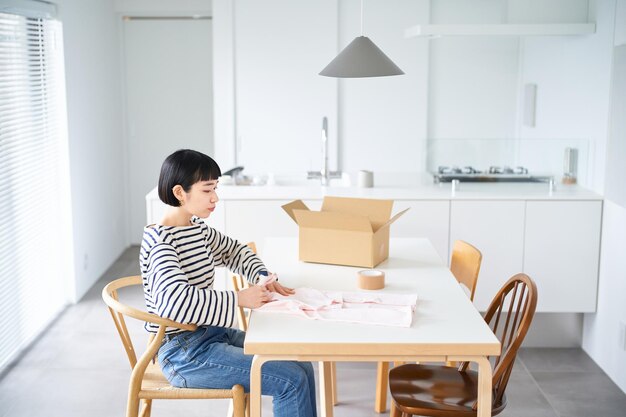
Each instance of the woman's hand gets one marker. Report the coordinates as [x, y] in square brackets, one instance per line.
[276, 287]
[253, 297]
[272, 284]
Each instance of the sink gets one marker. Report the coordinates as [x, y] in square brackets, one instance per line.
[284, 180]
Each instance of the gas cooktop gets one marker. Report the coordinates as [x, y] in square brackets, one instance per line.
[493, 174]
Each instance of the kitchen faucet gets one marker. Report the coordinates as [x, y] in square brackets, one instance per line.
[325, 175]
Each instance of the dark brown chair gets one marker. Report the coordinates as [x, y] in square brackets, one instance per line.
[465, 266]
[442, 391]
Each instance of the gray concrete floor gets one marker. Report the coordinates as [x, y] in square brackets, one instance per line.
[78, 368]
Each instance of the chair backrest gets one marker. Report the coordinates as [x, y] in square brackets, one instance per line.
[239, 284]
[465, 265]
[118, 310]
[509, 316]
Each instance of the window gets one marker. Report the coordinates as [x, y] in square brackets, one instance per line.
[35, 227]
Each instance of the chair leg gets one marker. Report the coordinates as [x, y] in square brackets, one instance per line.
[394, 408]
[239, 401]
[382, 381]
[394, 411]
[333, 382]
[146, 409]
[132, 407]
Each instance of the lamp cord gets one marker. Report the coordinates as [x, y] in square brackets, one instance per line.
[361, 17]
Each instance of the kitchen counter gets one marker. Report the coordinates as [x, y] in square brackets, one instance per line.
[442, 191]
[519, 227]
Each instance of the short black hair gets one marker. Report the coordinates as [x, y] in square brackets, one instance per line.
[185, 167]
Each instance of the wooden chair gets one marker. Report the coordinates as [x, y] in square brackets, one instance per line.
[465, 266]
[239, 283]
[147, 382]
[442, 391]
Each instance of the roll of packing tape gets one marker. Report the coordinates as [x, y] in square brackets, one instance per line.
[371, 279]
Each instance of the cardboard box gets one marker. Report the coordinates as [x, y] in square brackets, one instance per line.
[347, 231]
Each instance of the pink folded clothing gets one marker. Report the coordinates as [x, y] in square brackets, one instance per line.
[356, 307]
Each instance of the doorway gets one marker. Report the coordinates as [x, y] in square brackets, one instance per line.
[169, 99]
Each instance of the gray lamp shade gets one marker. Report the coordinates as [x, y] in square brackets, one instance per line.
[361, 58]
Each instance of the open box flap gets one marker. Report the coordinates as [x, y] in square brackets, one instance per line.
[294, 205]
[378, 211]
[332, 220]
[393, 219]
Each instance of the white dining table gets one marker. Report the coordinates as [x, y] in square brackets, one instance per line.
[445, 325]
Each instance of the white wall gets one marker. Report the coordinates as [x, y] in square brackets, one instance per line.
[382, 121]
[375, 116]
[604, 337]
[95, 137]
[224, 117]
[571, 74]
[280, 46]
[473, 79]
[477, 84]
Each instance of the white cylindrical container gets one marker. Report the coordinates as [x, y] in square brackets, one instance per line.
[570, 165]
[365, 179]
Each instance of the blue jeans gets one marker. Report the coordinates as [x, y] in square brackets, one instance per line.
[212, 357]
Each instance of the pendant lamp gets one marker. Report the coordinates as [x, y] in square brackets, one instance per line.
[360, 59]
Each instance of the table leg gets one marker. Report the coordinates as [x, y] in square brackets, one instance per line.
[484, 387]
[326, 400]
[382, 381]
[333, 382]
[255, 385]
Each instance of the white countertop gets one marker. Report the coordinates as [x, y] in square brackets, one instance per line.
[442, 191]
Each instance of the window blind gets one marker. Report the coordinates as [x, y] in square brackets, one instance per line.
[35, 231]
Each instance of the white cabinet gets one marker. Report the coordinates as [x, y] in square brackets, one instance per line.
[561, 253]
[429, 219]
[496, 228]
[557, 243]
[255, 220]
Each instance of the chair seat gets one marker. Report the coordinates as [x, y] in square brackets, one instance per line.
[155, 386]
[432, 390]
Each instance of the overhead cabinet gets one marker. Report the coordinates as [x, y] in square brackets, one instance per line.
[552, 29]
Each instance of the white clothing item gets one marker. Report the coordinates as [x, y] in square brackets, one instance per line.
[356, 307]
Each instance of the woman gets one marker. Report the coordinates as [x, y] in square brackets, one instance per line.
[178, 259]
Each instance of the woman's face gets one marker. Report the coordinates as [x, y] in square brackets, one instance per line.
[201, 199]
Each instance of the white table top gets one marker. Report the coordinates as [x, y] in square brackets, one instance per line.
[445, 321]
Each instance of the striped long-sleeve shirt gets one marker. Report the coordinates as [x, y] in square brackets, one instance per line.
[178, 269]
